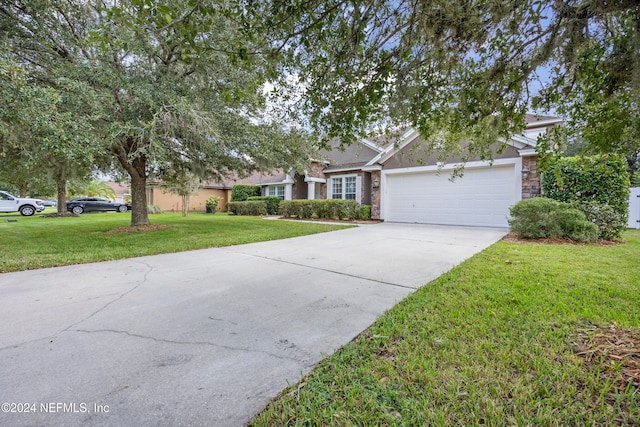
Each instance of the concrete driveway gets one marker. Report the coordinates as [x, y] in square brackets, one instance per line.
[207, 337]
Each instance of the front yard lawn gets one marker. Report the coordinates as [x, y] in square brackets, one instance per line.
[37, 242]
[520, 334]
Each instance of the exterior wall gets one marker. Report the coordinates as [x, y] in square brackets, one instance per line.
[531, 186]
[316, 170]
[156, 195]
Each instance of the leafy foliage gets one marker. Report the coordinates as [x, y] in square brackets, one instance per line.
[171, 83]
[212, 204]
[183, 183]
[365, 212]
[609, 221]
[252, 208]
[456, 70]
[273, 203]
[540, 218]
[321, 209]
[95, 188]
[241, 192]
[597, 185]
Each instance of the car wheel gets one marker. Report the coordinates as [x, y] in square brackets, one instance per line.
[122, 208]
[27, 210]
[77, 210]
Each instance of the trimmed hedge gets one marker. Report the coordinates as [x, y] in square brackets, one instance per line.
[273, 203]
[241, 192]
[596, 185]
[321, 209]
[253, 208]
[542, 217]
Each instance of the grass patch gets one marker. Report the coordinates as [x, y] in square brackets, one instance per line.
[495, 341]
[36, 242]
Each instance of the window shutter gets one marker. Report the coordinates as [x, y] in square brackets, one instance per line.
[330, 188]
[359, 189]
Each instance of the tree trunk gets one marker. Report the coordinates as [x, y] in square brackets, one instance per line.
[22, 189]
[137, 169]
[185, 205]
[61, 185]
[139, 214]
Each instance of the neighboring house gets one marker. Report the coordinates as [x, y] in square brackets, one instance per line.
[122, 190]
[158, 195]
[403, 185]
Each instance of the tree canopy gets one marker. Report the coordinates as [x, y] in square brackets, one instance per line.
[461, 69]
[166, 86]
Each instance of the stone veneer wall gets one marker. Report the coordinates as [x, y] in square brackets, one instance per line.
[531, 187]
[375, 195]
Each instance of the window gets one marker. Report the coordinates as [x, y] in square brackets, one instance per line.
[276, 190]
[350, 188]
[336, 188]
[345, 187]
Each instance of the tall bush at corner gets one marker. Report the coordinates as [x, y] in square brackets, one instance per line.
[596, 185]
[241, 192]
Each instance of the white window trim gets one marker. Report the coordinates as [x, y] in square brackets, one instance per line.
[344, 187]
[276, 187]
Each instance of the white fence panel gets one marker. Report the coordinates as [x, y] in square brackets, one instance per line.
[634, 208]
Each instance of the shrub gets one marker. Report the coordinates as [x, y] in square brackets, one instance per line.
[154, 209]
[365, 212]
[253, 208]
[273, 203]
[240, 192]
[212, 204]
[303, 209]
[321, 209]
[610, 222]
[597, 185]
[541, 217]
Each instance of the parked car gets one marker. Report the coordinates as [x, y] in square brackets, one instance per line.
[51, 202]
[26, 207]
[95, 204]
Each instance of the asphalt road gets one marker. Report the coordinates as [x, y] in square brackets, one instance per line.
[207, 337]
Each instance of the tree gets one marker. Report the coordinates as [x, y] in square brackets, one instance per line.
[459, 69]
[42, 132]
[166, 87]
[184, 183]
[95, 188]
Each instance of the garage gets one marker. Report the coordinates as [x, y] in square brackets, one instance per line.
[482, 197]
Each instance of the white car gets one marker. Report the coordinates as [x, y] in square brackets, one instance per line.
[26, 207]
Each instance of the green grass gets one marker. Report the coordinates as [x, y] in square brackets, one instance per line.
[492, 342]
[37, 242]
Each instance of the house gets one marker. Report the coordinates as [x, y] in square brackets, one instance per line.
[122, 191]
[400, 184]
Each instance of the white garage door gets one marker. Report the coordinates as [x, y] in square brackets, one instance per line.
[481, 197]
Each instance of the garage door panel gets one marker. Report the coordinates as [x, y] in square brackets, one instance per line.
[481, 197]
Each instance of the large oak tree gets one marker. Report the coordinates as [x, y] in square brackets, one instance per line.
[461, 69]
[170, 78]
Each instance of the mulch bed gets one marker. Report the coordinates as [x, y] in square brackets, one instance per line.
[138, 229]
